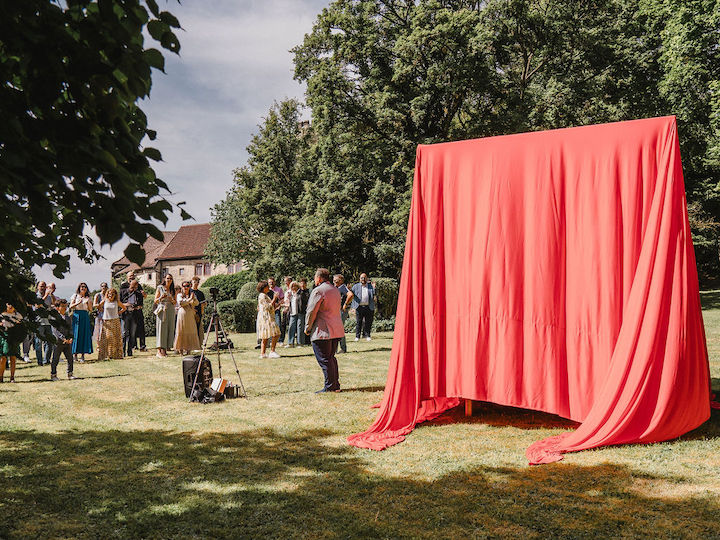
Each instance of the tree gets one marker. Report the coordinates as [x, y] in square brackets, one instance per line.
[71, 139]
[255, 220]
[386, 75]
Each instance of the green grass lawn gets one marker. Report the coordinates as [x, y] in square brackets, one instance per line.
[119, 453]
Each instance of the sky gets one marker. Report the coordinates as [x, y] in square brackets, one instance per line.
[234, 62]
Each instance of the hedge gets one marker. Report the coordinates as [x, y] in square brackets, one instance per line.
[228, 284]
[248, 292]
[378, 325]
[238, 315]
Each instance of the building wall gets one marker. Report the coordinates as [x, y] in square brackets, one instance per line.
[185, 269]
[147, 277]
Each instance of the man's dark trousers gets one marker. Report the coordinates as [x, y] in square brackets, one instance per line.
[132, 324]
[324, 350]
[140, 332]
[62, 348]
[41, 342]
[364, 318]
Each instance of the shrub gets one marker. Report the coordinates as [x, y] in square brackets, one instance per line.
[378, 325]
[228, 284]
[384, 325]
[387, 297]
[148, 308]
[238, 315]
[248, 292]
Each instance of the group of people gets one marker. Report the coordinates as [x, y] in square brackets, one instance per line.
[119, 324]
[64, 330]
[317, 316]
[314, 317]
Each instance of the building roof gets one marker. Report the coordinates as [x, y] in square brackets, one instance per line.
[189, 242]
[153, 248]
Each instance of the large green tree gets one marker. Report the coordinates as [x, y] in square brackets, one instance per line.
[386, 75]
[72, 136]
[260, 219]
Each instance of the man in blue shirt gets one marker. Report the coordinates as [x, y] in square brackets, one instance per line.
[362, 296]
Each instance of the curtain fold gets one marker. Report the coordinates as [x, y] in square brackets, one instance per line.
[552, 271]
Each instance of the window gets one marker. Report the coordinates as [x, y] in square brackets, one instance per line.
[198, 269]
[148, 277]
[164, 272]
[181, 271]
[206, 269]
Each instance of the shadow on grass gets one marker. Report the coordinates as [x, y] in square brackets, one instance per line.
[493, 414]
[365, 389]
[63, 376]
[710, 299]
[154, 484]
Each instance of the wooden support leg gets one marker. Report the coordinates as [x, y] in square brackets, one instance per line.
[468, 407]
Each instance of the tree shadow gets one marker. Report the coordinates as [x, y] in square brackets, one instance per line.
[492, 414]
[365, 389]
[710, 299]
[102, 484]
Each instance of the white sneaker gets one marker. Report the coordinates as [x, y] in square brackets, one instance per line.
[273, 354]
[368, 339]
[263, 356]
[26, 359]
[286, 345]
[357, 339]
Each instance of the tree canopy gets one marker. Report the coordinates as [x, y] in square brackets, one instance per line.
[72, 153]
[385, 76]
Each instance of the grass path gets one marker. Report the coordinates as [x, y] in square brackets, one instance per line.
[119, 453]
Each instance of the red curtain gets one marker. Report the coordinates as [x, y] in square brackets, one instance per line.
[551, 271]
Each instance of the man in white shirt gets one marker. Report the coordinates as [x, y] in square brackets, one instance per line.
[362, 296]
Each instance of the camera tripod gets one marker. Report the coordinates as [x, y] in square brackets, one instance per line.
[216, 324]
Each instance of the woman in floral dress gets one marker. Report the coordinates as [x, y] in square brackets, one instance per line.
[267, 328]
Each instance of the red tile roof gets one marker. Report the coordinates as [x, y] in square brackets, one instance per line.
[189, 242]
[153, 248]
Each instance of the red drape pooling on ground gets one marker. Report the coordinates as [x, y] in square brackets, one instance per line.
[551, 271]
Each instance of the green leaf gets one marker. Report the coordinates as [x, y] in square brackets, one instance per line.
[120, 76]
[155, 59]
[152, 153]
[169, 19]
[156, 29]
[170, 42]
[152, 5]
[135, 253]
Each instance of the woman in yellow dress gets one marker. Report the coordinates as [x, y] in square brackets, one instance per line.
[267, 328]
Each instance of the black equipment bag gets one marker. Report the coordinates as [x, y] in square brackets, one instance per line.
[189, 366]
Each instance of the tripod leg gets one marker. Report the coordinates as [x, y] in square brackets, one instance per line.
[202, 356]
[237, 370]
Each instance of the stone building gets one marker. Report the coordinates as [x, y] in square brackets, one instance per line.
[182, 254]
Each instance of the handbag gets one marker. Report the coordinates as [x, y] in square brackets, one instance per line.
[160, 311]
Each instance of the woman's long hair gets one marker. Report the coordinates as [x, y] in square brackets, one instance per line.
[87, 291]
[171, 288]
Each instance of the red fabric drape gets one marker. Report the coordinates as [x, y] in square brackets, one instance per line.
[551, 271]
